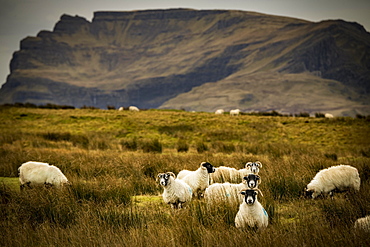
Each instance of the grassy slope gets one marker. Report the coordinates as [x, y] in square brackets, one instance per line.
[115, 198]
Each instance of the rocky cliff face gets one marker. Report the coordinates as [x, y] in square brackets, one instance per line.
[196, 60]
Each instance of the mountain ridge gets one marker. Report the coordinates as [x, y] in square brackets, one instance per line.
[164, 58]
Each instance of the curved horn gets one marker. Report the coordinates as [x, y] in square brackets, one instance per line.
[172, 174]
[259, 191]
[248, 164]
[259, 164]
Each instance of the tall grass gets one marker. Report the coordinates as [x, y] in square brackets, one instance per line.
[112, 159]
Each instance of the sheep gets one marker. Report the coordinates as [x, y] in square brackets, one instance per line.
[232, 175]
[198, 180]
[133, 108]
[176, 192]
[219, 111]
[251, 213]
[252, 181]
[229, 191]
[225, 192]
[254, 167]
[234, 112]
[121, 108]
[363, 224]
[38, 173]
[339, 178]
[328, 115]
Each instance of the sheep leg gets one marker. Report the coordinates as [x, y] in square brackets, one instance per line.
[48, 185]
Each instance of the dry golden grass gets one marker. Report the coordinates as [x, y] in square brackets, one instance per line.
[115, 200]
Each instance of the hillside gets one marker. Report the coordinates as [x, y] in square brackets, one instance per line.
[195, 60]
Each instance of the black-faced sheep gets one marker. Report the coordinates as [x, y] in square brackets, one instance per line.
[198, 180]
[176, 192]
[37, 173]
[251, 213]
[340, 178]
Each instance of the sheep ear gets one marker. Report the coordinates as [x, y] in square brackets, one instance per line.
[259, 164]
[242, 192]
[258, 177]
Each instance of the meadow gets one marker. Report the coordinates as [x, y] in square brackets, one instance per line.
[113, 157]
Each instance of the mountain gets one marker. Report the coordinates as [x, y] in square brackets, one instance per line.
[195, 60]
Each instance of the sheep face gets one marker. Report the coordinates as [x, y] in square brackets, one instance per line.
[252, 180]
[164, 178]
[209, 167]
[254, 166]
[250, 196]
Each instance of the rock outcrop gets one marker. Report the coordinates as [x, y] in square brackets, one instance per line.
[195, 60]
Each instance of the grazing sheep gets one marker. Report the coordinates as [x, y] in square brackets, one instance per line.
[198, 180]
[363, 224]
[251, 213]
[228, 174]
[234, 112]
[328, 115]
[226, 192]
[133, 108]
[341, 177]
[176, 192]
[121, 108]
[38, 173]
[219, 111]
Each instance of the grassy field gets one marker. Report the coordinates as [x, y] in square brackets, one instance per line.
[112, 159]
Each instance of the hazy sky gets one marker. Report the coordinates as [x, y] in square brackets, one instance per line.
[22, 18]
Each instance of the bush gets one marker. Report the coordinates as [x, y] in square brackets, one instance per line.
[182, 146]
[151, 146]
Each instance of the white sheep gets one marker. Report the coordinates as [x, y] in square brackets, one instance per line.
[121, 108]
[251, 213]
[363, 224]
[133, 108]
[234, 112]
[232, 175]
[341, 177]
[176, 192]
[328, 115]
[225, 192]
[198, 180]
[219, 111]
[38, 173]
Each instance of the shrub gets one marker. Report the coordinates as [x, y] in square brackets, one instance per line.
[182, 146]
[151, 146]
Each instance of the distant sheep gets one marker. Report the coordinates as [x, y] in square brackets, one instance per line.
[37, 173]
[235, 112]
[328, 115]
[133, 108]
[121, 108]
[198, 180]
[251, 213]
[219, 111]
[232, 175]
[339, 177]
[363, 224]
[176, 192]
